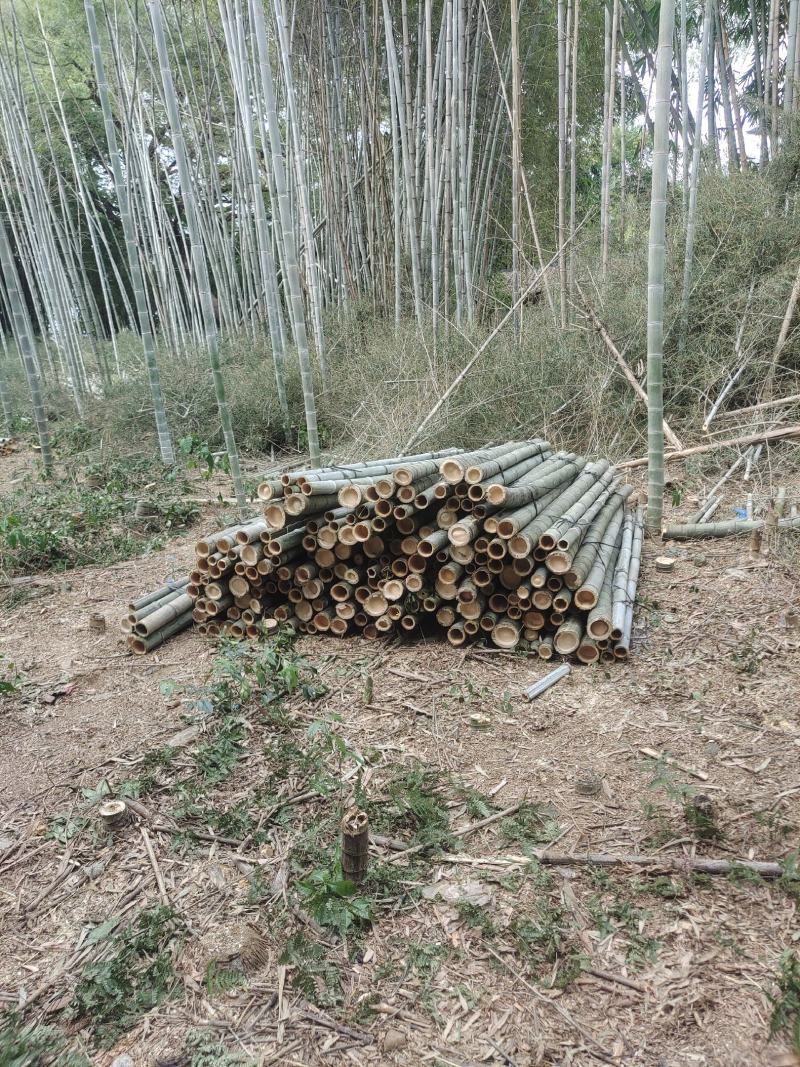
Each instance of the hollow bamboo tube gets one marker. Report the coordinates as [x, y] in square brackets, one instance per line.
[549, 680]
[621, 648]
[453, 468]
[364, 467]
[724, 529]
[149, 609]
[619, 585]
[586, 596]
[568, 636]
[577, 511]
[506, 632]
[480, 471]
[141, 644]
[598, 622]
[164, 615]
[587, 553]
[158, 594]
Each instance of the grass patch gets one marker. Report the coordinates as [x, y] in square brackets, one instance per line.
[89, 517]
[136, 975]
[786, 1002]
[42, 1046]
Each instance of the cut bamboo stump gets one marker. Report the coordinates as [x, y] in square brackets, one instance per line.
[114, 814]
[355, 845]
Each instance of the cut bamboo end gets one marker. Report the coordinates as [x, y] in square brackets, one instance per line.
[452, 471]
[506, 633]
[114, 814]
[568, 636]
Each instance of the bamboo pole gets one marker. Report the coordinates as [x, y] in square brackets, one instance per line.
[731, 442]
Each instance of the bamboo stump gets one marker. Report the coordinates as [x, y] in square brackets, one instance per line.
[355, 845]
[114, 814]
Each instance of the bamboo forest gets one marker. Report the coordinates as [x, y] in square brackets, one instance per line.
[399, 533]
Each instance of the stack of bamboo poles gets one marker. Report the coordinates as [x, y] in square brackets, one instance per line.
[514, 543]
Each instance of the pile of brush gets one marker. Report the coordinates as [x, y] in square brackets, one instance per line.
[514, 543]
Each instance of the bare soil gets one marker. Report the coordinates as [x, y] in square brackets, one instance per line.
[675, 971]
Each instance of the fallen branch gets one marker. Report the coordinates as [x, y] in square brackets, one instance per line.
[731, 442]
[689, 531]
[626, 370]
[463, 832]
[663, 758]
[162, 889]
[735, 413]
[677, 864]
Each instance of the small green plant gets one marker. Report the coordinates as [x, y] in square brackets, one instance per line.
[10, 678]
[200, 456]
[786, 1003]
[621, 916]
[205, 1051]
[415, 804]
[136, 977]
[424, 959]
[540, 937]
[742, 875]
[333, 901]
[35, 1046]
[476, 917]
[313, 974]
[220, 979]
[530, 825]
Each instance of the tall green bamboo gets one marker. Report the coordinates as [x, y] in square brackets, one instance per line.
[655, 271]
[5, 398]
[697, 148]
[131, 243]
[23, 333]
[290, 262]
[516, 165]
[199, 265]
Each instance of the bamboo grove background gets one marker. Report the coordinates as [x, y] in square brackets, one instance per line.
[185, 181]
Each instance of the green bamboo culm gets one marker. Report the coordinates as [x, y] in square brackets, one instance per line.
[691, 211]
[131, 244]
[5, 400]
[199, 265]
[655, 272]
[289, 248]
[24, 336]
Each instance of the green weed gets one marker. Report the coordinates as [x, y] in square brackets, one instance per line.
[65, 524]
[786, 1003]
[220, 979]
[477, 918]
[312, 973]
[36, 1046]
[136, 977]
[530, 825]
[333, 901]
[424, 959]
[205, 1051]
[10, 678]
[624, 918]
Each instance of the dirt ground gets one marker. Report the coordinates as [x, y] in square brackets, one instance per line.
[676, 971]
